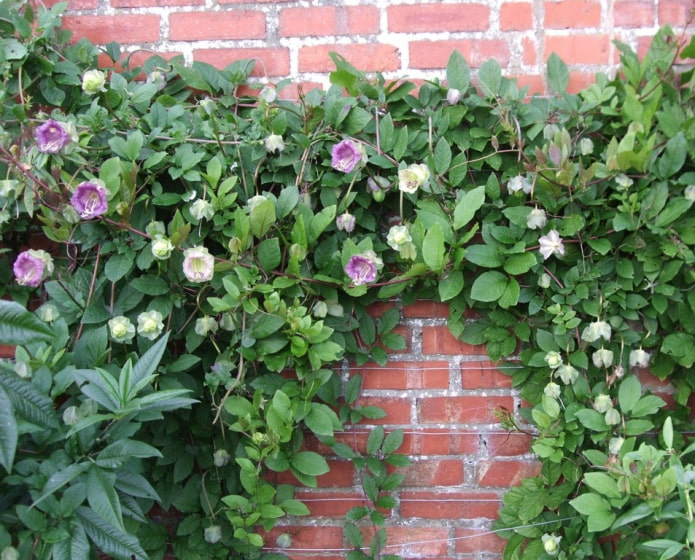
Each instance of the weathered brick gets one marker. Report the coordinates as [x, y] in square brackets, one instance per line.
[6, 351]
[509, 444]
[426, 309]
[675, 12]
[154, 3]
[439, 340]
[324, 538]
[416, 18]
[371, 57]
[435, 54]
[505, 474]
[516, 16]
[317, 21]
[572, 14]
[483, 375]
[462, 409]
[434, 473]
[449, 505]
[634, 13]
[415, 542]
[330, 504]
[472, 541]
[231, 24]
[397, 409]
[580, 49]
[125, 29]
[406, 375]
[269, 61]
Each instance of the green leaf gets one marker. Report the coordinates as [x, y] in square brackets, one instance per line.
[591, 419]
[9, 433]
[458, 74]
[108, 538]
[489, 286]
[309, 463]
[484, 255]
[118, 266]
[558, 74]
[442, 156]
[490, 78]
[375, 439]
[629, 393]
[467, 206]
[102, 496]
[647, 405]
[120, 451]
[19, 326]
[681, 347]
[603, 484]
[433, 248]
[28, 403]
[392, 442]
[262, 218]
[673, 157]
[269, 255]
[321, 221]
[596, 508]
[134, 484]
[451, 285]
[520, 263]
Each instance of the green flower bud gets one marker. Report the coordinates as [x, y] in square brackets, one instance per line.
[93, 82]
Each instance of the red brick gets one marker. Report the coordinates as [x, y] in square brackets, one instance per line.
[415, 542]
[483, 375]
[406, 375]
[318, 21]
[580, 49]
[397, 410]
[439, 340]
[449, 505]
[340, 475]
[154, 3]
[435, 54]
[125, 29]
[472, 541]
[269, 61]
[233, 24]
[506, 474]
[439, 442]
[434, 473]
[637, 13]
[372, 57]
[460, 410]
[510, 444]
[529, 51]
[580, 81]
[73, 5]
[534, 82]
[574, 14]
[330, 504]
[379, 308]
[426, 309]
[675, 12]
[516, 16]
[255, 2]
[296, 90]
[325, 538]
[6, 351]
[438, 17]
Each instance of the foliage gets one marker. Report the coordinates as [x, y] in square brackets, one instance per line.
[197, 218]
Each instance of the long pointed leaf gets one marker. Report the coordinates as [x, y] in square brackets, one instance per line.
[120, 451]
[100, 385]
[8, 431]
[18, 326]
[102, 496]
[28, 402]
[147, 364]
[60, 479]
[108, 538]
[134, 484]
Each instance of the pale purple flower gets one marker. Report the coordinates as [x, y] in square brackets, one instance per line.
[51, 137]
[89, 199]
[198, 264]
[345, 222]
[32, 267]
[345, 155]
[363, 268]
[551, 244]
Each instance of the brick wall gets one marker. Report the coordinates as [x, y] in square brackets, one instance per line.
[401, 38]
[443, 394]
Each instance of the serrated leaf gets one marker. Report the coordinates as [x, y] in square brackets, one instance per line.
[108, 538]
[19, 326]
[102, 496]
[9, 433]
[134, 484]
[29, 404]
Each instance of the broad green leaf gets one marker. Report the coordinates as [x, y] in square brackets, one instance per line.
[375, 439]
[19, 326]
[118, 266]
[591, 419]
[451, 285]
[558, 74]
[269, 254]
[442, 156]
[629, 393]
[673, 157]
[489, 286]
[458, 74]
[467, 206]
[60, 479]
[490, 78]
[120, 451]
[309, 463]
[603, 484]
[262, 218]
[102, 496]
[433, 249]
[484, 255]
[597, 510]
[321, 221]
[520, 263]
[681, 347]
[134, 484]
[9, 433]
